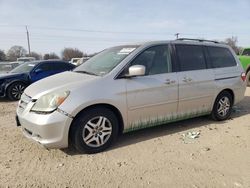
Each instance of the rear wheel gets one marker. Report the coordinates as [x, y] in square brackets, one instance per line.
[15, 90]
[222, 108]
[94, 130]
[248, 78]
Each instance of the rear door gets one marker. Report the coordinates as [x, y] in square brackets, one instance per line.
[152, 98]
[196, 81]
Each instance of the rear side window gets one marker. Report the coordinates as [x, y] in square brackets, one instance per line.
[62, 66]
[191, 57]
[221, 57]
[46, 67]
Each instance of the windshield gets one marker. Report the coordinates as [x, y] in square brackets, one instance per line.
[105, 61]
[26, 67]
[246, 52]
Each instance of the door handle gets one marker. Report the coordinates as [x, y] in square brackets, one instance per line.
[168, 81]
[186, 79]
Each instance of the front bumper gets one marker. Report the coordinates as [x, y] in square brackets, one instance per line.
[49, 130]
[2, 91]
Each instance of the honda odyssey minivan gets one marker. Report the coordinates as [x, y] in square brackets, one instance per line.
[130, 87]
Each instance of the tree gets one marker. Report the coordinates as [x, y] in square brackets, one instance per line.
[69, 53]
[233, 43]
[50, 56]
[35, 55]
[15, 52]
[2, 55]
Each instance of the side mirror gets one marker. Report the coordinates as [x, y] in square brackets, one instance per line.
[136, 70]
[37, 71]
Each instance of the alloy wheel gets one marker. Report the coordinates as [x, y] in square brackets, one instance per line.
[97, 131]
[17, 91]
[223, 106]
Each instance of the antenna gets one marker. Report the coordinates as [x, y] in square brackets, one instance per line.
[177, 35]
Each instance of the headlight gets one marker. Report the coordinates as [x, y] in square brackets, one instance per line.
[49, 102]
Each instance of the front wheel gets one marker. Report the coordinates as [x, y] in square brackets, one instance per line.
[94, 130]
[248, 78]
[222, 108]
[15, 90]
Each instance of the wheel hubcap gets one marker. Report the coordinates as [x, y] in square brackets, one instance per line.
[17, 91]
[97, 131]
[223, 106]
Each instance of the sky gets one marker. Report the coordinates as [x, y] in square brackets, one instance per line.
[94, 25]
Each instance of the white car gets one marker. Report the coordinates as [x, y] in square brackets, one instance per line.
[25, 59]
[130, 87]
[5, 67]
[82, 60]
[74, 61]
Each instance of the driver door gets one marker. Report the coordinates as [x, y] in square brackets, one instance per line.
[42, 71]
[152, 99]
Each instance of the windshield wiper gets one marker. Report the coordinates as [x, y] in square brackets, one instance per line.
[86, 72]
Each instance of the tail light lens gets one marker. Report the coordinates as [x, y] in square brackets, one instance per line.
[243, 76]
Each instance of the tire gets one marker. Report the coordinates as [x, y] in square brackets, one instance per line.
[15, 90]
[222, 108]
[94, 130]
[248, 78]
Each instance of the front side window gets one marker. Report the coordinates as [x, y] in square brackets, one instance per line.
[157, 60]
[102, 63]
[191, 57]
[221, 57]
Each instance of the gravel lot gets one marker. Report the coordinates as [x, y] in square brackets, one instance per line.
[155, 157]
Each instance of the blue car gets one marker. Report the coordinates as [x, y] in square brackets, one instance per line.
[13, 83]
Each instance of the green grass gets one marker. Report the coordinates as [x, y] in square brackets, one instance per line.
[163, 120]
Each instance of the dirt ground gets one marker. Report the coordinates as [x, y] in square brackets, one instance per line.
[155, 157]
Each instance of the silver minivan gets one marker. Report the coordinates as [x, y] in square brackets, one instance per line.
[130, 87]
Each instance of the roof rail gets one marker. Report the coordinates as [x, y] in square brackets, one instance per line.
[199, 40]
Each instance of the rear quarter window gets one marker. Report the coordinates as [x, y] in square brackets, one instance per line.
[221, 57]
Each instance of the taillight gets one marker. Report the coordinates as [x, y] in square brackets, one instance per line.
[243, 77]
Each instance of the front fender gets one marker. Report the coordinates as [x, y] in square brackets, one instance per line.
[13, 81]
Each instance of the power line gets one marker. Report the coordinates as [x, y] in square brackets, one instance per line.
[121, 32]
[89, 30]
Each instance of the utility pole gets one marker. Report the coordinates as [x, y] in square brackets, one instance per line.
[177, 35]
[28, 38]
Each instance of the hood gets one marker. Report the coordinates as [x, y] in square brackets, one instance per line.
[10, 75]
[63, 81]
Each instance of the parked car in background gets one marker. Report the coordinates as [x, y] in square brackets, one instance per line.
[82, 60]
[245, 61]
[74, 60]
[6, 67]
[25, 59]
[131, 87]
[13, 83]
